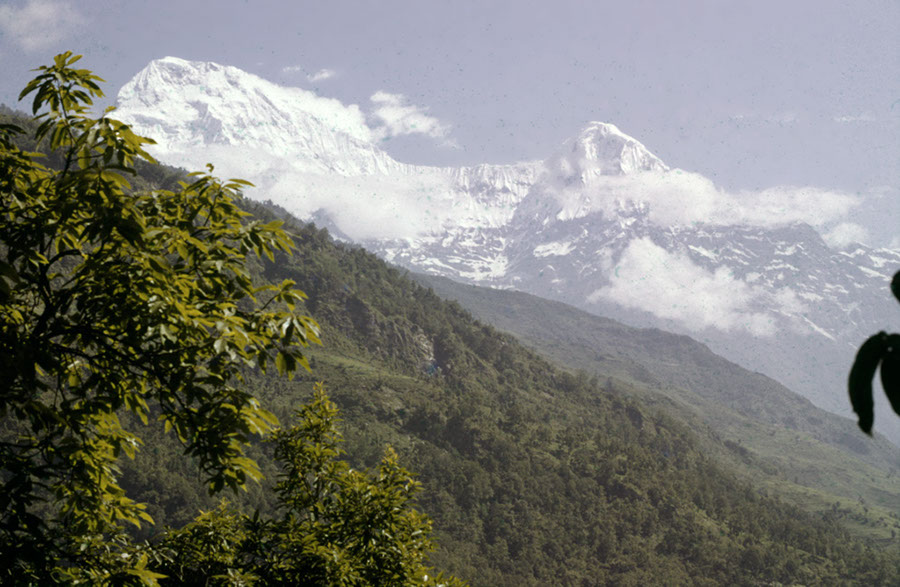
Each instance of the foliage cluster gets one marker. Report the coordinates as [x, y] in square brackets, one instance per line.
[119, 307]
[337, 526]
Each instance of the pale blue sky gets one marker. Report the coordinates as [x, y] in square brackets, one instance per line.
[751, 94]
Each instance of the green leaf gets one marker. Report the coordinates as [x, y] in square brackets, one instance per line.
[282, 363]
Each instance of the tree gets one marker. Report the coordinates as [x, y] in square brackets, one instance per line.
[879, 349]
[338, 526]
[117, 302]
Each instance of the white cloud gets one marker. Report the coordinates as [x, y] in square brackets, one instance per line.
[780, 118]
[369, 206]
[787, 204]
[851, 118]
[845, 234]
[672, 287]
[362, 206]
[783, 118]
[321, 75]
[395, 116]
[39, 24]
[678, 197]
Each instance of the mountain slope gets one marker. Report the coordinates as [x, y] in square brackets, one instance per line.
[601, 223]
[770, 432]
[533, 475]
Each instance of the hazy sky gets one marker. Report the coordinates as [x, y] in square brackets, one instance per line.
[751, 94]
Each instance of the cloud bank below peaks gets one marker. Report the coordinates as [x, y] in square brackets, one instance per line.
[672, 287]
[368, 206]
[363, 206]
[678, 197]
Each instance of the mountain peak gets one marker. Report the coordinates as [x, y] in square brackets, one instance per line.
[604, 129]
[164, 73]
[188, 106]
[170, 60]
[602, 149]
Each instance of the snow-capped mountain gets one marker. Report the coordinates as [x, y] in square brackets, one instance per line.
[219, 105]
[601, 223]
[308, 152]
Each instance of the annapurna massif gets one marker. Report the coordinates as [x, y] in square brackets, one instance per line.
[600, 223]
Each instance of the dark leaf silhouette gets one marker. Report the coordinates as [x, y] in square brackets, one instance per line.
[895, 285]
[880, 348]
[861, 374]
[890, 371]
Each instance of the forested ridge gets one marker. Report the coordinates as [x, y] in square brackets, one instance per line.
[779, 440]
[530, 473]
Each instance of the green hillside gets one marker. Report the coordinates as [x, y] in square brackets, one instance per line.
[533, 475]
[814, 459]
